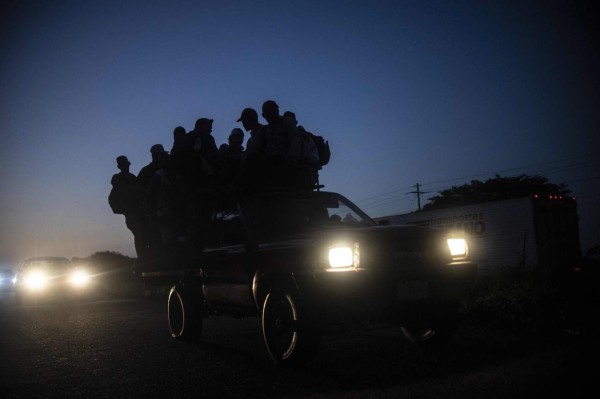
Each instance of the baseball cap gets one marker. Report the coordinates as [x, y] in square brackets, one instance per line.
[204, 122]
[248, 113]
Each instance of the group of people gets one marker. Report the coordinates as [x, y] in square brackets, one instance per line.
[167, 205]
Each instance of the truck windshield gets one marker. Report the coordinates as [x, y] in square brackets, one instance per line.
[287, 215]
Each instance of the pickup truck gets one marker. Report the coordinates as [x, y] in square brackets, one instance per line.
[310, 262]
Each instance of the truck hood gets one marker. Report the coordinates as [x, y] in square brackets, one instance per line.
[380, 246]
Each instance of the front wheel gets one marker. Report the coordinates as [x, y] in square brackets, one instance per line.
[435, 335]
[290, 334]
[185, 314]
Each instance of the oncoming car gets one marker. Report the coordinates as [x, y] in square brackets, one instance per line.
[309, 263]
[6, 280]
[49, 278]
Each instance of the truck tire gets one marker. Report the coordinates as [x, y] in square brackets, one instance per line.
[430, 337]
[290, 334]
[184, 314]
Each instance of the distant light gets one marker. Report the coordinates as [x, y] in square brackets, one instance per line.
[36, 280]
[576, 269]
[80, 278]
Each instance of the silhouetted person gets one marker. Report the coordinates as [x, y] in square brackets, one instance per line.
[169, 220]
[309, 154]
[283, 142]
[158, 153]
[236, 140]
[281, 150]
[256, 141]
[231, 157]
[126, 188]
[179, 136]
[147, 179]
[223, 151]
[290, 118]
[307, 172]
[203, 143]
[180, 154]
[124, 178]
[253, 157]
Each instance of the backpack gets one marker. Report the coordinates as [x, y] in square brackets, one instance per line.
[322, 148]
[118, 201]
[310, 152]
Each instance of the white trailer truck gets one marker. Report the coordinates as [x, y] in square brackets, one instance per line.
[535, 231]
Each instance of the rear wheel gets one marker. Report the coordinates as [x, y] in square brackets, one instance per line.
[435, 335]
[184, 313]
[290, 334]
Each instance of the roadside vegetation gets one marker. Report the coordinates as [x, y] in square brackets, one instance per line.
[526, 299]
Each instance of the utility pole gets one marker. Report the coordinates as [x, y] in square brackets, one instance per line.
[418, 192]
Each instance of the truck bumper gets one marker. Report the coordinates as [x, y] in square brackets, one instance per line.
[386, 295]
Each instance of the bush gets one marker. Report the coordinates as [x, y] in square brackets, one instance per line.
[523, 298]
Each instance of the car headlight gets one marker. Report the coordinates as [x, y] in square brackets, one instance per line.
[458, 247]
[80, 278]
[341, 257]
[35, 280]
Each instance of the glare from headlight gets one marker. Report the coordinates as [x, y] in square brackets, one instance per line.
[36, 280]
[80, 278]
[457, 246]
[340, 257]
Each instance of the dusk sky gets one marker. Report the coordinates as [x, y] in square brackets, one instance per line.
[430, 92]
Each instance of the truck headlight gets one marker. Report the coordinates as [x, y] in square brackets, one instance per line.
[35, 280]
[79, 278]
[344, 256]
[458, 247]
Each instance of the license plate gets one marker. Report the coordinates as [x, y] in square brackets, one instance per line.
[413, 290]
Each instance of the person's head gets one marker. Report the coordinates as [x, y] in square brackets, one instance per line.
[290, 118]
[236, 137]
[203, 126]
[179, 134]
[158, 152]
[270, 111]
[224, 149]
[249, 118]
[123, 163]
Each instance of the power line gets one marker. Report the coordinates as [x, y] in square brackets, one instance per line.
[593, 160]
[418, 192]
[389, 197]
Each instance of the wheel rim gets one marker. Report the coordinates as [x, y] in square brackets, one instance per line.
[280, 321]
[176, 314]
[423, 334]
[419, 334]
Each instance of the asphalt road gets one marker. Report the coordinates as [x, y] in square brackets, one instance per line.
[121, 349]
